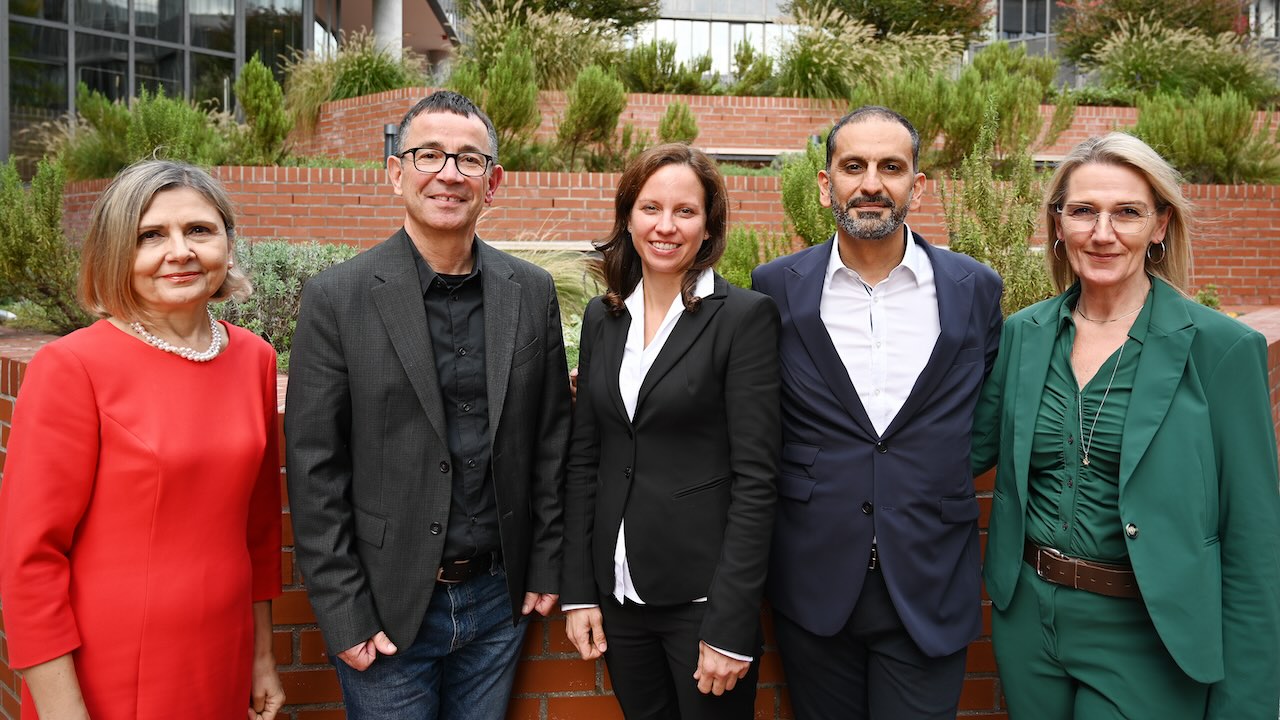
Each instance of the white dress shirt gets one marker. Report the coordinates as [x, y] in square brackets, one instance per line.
[883, 334]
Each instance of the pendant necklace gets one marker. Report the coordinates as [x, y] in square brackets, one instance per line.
[187, 353]
[1087, 444]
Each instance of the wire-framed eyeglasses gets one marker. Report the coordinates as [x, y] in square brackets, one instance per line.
[1126, 220]
[432, 160]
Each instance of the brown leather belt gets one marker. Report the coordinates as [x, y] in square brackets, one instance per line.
[453, 572]
[1095, 577]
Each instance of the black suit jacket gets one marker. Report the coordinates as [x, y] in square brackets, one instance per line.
[367, 450]
[693, 473]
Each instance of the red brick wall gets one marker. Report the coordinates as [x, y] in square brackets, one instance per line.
[551, 684]
[1237, 247]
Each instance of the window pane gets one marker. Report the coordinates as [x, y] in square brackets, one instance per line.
[156, 68]
[721, 50]
[112, 15]
[272, 29]
[1038, 16]
[213, 78]
[44, 9]
[158, 19]
[1011, 18]
[103, 64]
[213, 24]
[37, 88]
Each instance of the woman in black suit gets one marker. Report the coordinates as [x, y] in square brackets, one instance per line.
[671, 483]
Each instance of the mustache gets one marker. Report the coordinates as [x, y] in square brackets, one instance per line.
[861, 200]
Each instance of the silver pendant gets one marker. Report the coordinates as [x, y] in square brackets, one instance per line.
[1085, 461]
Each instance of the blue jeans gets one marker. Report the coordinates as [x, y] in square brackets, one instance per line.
[460, 667]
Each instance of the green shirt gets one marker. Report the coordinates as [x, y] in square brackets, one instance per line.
[1072, 506]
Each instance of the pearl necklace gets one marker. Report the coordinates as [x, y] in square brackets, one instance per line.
[184, 352]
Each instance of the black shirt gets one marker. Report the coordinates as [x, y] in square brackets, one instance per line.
[455, 322]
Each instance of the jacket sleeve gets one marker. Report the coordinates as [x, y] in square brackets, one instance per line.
[753, 408]
[1249, 533]
[547, 492]
[317, 436]
[579, 583]
[48, 482]
[986, 415]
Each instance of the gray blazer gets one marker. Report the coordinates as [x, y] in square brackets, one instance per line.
[368, 460]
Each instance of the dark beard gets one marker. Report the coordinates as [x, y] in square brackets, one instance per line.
[871, 227]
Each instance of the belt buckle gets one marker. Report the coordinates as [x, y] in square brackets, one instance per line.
[1041, 552]
[440, 572]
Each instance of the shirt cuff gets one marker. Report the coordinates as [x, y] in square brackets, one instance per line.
[726, 653]
[578, 606]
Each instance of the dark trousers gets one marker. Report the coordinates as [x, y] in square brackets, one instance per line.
[870, 670]
[653, 653]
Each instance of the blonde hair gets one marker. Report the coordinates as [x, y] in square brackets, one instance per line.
[1166, 186]
[106, 260]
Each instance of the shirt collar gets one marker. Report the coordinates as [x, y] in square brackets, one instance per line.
[914, 260]
[427, 275]
[704, 286]
[1137, 331]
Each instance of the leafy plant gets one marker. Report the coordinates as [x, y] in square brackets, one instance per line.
[37, 266]
[806, 215]
[1151, 57]
[596, 101]
[1088, 23]
[752, 71]
[678, 124]
[747, 247]
[277, 270]
[621, 15]
[262, 100]
[966, 19]
[508, 93]
[1210, 138]
[652, 68]
[1208, 296]
[993, 220]
[561, 45]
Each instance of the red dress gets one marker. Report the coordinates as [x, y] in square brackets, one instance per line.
[139, 521]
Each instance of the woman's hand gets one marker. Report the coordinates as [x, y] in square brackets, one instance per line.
[56, 689]
[268, 693]
[585, 628]
[717, 673]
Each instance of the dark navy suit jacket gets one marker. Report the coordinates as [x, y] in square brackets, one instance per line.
[842, 483]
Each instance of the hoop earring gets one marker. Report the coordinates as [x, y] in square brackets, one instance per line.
[1056, 244]
[1163, 253]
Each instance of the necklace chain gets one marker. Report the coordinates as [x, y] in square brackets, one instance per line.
[215, 346]
[1110, 320]
[1087, 444]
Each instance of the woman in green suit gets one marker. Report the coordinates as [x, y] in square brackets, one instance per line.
[1134, 552]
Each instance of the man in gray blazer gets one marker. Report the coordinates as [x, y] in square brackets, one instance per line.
[427, 425]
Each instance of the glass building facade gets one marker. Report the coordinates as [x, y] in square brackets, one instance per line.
[716, 27]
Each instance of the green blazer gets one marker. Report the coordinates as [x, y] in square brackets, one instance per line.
[1199, 495]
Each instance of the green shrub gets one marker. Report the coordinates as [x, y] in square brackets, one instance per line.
[1210, 138]
[561, 45]
[1099, 96]
[1000, 59]
[360, 67]
[652, 68]
[596, 101]
[509, 95]
[966, 19]
[174, 129]
[277, 270]
[1208, 296]
[745, 248]
[806, 215]
[93, 145]
[752, 72]
[678, 124]
[1151, 57]
[37, 266]
[262, 100]
[621, 15]
[1087, 24]
[993, 221]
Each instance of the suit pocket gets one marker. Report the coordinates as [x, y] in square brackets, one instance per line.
[700, 487]
[525, 353]
[958, 509]
[795, 487]
[370, 528]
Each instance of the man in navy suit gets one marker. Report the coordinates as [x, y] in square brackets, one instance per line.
[886, 340]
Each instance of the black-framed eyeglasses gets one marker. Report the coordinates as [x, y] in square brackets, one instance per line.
[432, 160]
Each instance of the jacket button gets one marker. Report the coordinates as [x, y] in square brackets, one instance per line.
[627, 472]
[866, 508]
[444, 466]
[882, 447]
[1131, 530]
[435, 528]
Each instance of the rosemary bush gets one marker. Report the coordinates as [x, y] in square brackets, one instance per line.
[806, 216]
[1210, 138]
[678, 124]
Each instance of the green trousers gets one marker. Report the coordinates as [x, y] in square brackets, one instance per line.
[1068, 654]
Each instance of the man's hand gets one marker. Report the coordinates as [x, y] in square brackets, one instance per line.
[585, 628]
[717, 673]
[544, 603]
[362, 656]
[573, 385]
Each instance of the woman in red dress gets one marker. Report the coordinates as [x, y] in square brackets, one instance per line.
[140, 509]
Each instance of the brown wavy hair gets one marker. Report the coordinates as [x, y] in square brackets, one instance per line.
[620, 263]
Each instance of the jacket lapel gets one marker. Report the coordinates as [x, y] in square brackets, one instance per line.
[1160, 369]
[954, 287]
[397, 295]
[688, 327]
[501, 318]
[803, 282]
[613, 337]
[1033, 358]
